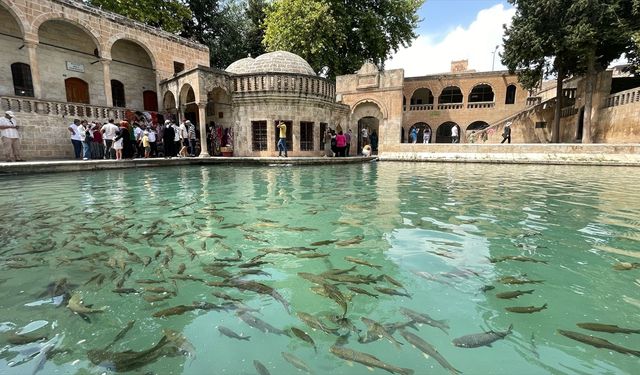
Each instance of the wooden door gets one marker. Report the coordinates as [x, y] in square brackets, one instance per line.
[150, 99]
[77, 90]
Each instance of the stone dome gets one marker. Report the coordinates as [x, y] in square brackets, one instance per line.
[272, 62]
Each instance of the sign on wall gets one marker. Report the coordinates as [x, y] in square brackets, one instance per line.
[75, 67]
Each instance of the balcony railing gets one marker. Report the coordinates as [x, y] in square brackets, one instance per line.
[284, 84]
[421, 107]
[623, 98]
[450, 106]
[63, 109]
[481, 105]
[568, 111]
[533, 101]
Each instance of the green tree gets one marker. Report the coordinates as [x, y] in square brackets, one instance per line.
[340, 35]
[168, 15]
[255, 12]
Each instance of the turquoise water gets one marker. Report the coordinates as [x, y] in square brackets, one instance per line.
[431, 227]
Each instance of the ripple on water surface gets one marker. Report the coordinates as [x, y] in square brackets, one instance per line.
[207, 269]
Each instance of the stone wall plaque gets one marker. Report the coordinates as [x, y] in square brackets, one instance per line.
[368, 81]
[75, 67]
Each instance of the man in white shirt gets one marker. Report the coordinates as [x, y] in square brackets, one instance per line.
[454, 134]
[75, 138]
[10, 136]
[365, 135]
[152, 140]
[184, 138]
[176, 139]
[109, 130]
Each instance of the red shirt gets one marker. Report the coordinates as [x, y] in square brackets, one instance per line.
[97, 136]
[341, 140]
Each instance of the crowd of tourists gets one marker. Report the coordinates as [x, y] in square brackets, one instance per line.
[129, 140]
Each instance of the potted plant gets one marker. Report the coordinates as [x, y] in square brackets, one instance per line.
[226, 150]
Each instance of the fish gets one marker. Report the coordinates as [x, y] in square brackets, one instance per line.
[167, 234]
[302, 335]
[181, 268]
[249, 237]
[157, 254]
[75, 304]
[333, 293]
[353, 279]
[181, 242]
[477, 340]
[367, 360]
[362, 291]
[376, 329]
[428, 350]
[361, 261]
[391, 292]
[351, 241]
[229, 333]
[225, 296]
[525, 309]
[17, 339]
[262, 370]
[606, 328]
[156, 297]
[625, 266]
[316, 279]
[517, 258]
[486, 288]
[253, 264]
[312, 255]
[212, 235]
[121, 334]
[299, 229]
[94, 278]
[125, 290]
[231, 259]
[513, 294]
[192, 253]
[297, 362]
[259, 324]
[176, 310]
[323, 242]
[315, 323]
[186, 277]
[168, 250]
[146, 260]
[260, 288]
[393, 281]
[598, 342]
[159, 289]
[517, 281]
[150, 281]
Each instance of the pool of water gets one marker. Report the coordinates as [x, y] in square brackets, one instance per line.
[238, 247]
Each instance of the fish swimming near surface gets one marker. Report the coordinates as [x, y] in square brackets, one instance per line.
[517, 258]
[121, 334]
[316, 323]
[351, 241]
[368, 360]
[429, 351]
[312, 255]
[231, 259]
[361, 262]
[324, 242]
[302, 335]
[513, 294]
[225, 296]
[176, 310]
[598, 342]
[297, 362]
[362, 291]
[486, 288]
[393, 281]
[229, 333]
[422, 318]
[181, 268]
[157, 297]
[76, 305]
[376, 329]
[525, 309]
[262, 370]
[477, 340]
[17, 339]
[259, 324]
[626, 266]
[391, 292]
[606, 328]
[517, 281]
[260, 288]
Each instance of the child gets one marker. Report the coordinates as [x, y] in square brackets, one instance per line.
[366, 151]
[146, 144]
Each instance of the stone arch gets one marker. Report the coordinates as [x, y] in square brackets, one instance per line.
[422, 127]
[451, 95]
[84, 26]
[477, 125]
[511, 92]
[19, 17]
[122, 36]
[443, 133]
[424, 95]
[480, 92]
[187, 94]
[381, 108]
[169, 102]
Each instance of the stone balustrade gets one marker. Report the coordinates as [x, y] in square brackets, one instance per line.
[450, 106]
[421, 107]
[282, 83]
[568, 111]
[623, 98]
[481, 105]
[62, 109]
[533, 101]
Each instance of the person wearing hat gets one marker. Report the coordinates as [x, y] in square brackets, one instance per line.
[10, 136]
[282, 142]
[146, 144]
[506, 133]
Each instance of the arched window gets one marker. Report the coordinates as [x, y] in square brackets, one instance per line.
[22, 83]
[422, 96]
[511, 95]
[451, 94]
[481, 93]
[117, 93]
[150, 101]
[77, 90]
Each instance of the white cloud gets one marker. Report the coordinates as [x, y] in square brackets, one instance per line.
[475, 43]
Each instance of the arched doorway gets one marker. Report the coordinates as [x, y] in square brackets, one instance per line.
[77, 90]
[13, 82]
[68, 49]
[422, 128]
[129, 59]
[443, 134]
[188, 104]
[117, 94]
[474, 128]
[369, 118]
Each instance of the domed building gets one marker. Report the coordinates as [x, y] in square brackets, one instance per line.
[251, 96]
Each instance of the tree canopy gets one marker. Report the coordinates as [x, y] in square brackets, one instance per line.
[340, 35]
[168, 15]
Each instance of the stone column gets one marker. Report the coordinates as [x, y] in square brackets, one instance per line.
[35, 71]
[106, 70]
[202, 122]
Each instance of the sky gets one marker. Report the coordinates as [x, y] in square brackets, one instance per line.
[455, 30]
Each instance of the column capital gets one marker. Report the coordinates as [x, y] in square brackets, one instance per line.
[31, 44]
[202, 105]
[105, 61]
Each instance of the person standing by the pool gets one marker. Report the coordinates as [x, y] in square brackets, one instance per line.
[10, 136]
[341, 143]
[75, 138]
[365, 135]
[348, 137]
[506, 133]
[426, 135]
[168, 139]
[455, 138]
[109, 131]
[85, 138]
[327, 142]
[414, 135]
[192, 138]
[282, 142]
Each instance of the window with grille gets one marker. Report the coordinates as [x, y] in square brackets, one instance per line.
[117, 93]
[22, 83]
[323, 129]
[259, 135]
[450, 95]
[306, 136]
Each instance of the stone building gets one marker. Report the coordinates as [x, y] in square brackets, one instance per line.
[63, 59]
[251, 96]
